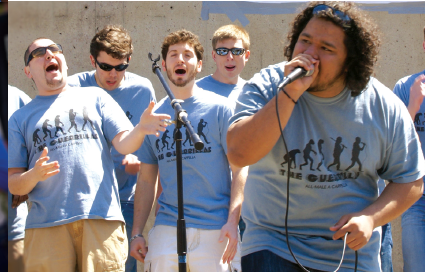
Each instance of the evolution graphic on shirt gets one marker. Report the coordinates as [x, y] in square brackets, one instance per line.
[202, 131]
[60, 136]
[317, 162]
[419, 124]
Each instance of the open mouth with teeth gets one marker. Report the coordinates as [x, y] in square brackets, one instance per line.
[52, 68]
[180, 71]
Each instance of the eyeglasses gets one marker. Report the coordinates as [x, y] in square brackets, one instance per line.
[107, 67]
[41, 51]
[346, 20]
[222, 51]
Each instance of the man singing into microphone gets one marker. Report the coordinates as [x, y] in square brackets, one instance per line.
[340, 99]
[212, 197]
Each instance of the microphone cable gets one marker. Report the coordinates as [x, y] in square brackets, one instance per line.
[287, 201]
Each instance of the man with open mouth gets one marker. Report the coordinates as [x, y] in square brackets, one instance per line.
[212, 196]
[75, 222]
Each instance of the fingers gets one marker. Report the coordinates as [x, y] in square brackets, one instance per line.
[150, 107]
[305, 61]
[44, 152]
[230, 251]
[138, 250]
[47, 170]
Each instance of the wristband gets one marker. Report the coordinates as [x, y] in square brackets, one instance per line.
[134, 237]
[295, 102]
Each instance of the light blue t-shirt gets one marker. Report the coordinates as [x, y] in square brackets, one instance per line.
[133, 96]
[355, 141]
[230, 91]
[16, 217]
[206, 173]
[402, 90]
[85, 187]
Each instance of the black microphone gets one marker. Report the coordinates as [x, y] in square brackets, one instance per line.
[297, 73]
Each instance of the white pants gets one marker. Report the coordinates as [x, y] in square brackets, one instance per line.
[204, 252]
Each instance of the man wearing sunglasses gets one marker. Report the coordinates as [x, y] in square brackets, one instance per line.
[75, 222]
[411, 90]
[230, 53]
[110, 54]
[299, 217]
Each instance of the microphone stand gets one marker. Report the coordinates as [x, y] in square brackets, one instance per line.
[180, 119]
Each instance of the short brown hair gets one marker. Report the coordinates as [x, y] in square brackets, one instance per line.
[182, 36]
[114, 40]
[27, 52]
[362, 40]
[231, 32]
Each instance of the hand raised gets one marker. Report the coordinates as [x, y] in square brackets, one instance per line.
[152, 123]
[43, 170]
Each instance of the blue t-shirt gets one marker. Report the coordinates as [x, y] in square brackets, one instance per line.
[85, 187]
[230, 91]
[206, 173]
[16, 217]
[402, 90]
[133, 96]
[355, 141]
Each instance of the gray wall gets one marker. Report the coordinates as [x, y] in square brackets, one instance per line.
[73, 24]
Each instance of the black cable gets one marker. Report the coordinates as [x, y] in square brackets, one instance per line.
[288, 174]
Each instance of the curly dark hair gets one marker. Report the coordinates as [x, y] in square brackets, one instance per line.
[362, 40]
[114, 40]
[182, 36]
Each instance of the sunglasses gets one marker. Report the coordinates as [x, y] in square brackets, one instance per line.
[222, 51]
[107, 67]
[345, 19]
[41, 51]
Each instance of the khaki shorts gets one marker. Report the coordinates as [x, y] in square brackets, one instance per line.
[15, 255]
[85, 245]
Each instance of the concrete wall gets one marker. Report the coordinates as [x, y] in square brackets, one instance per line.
[73, 24]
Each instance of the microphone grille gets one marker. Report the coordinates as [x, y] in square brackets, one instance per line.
[309, 72]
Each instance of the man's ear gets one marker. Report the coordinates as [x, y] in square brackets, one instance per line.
[27, 72]
[92, 61]
[129, 58]
[247, 54]
[163, 65]
[199, 66]
[213, 54]
[423, 45]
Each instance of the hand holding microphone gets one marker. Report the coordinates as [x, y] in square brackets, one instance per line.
[296, 69]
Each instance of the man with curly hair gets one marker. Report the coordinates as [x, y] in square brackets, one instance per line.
[299, 217]
[411, 90]
[110, 54]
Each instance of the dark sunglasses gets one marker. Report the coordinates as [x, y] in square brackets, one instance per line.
[107, 67]
[345, 19]
[41, 51]
[222, 51]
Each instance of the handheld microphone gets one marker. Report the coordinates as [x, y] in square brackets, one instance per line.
[297, 73]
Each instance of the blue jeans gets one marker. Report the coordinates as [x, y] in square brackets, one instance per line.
[413, 236]
[267, 261]
[127, 209]
[386, 249]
